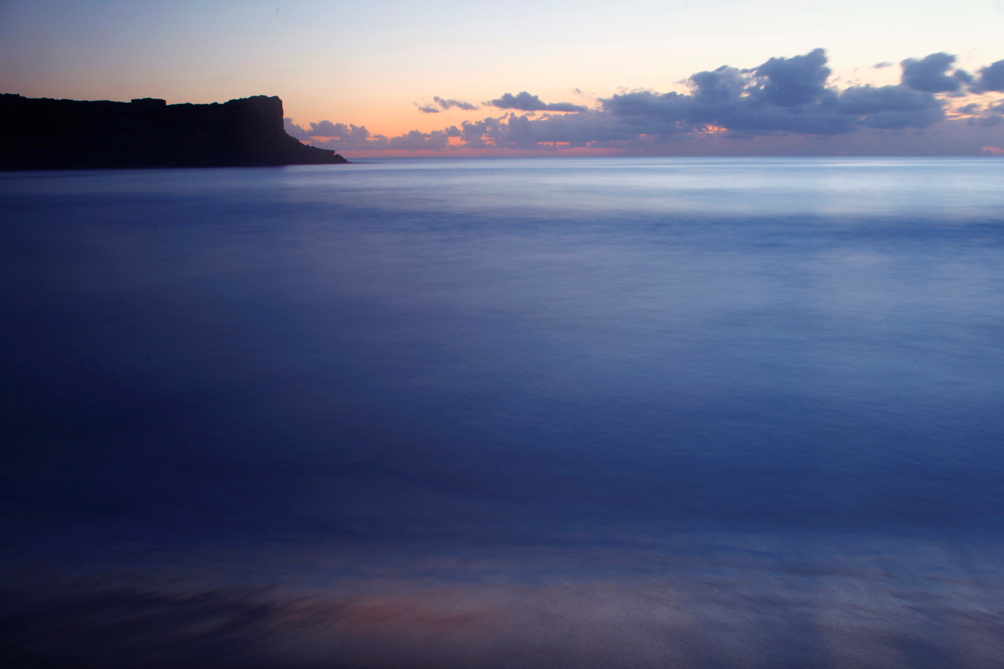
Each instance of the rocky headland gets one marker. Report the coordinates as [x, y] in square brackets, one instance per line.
[46, 134]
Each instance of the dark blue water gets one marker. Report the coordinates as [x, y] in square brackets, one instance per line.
[519, 413]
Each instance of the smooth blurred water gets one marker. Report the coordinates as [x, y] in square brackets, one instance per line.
[506, 379]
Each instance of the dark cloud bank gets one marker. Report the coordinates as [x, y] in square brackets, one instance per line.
[785, 105]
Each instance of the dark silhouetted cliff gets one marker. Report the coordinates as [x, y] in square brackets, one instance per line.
[44, 134]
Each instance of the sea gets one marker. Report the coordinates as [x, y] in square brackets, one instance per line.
[504, 413]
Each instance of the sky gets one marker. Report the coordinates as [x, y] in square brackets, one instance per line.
[523, 78]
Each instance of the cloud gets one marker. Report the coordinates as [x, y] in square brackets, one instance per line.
[786, 95]
[930, 74]
[294, 130]
[526, 102]
[325, 129]
[789, 82]
[521, 132]
[889, 107]
[459, 104]
[342, 137]
[417, 141]
[992, 77]
[443, 105]
[964, 76]
[992, 115]
[345, 135]
[329, 129]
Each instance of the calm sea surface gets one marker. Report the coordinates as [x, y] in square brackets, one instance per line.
[505, 413]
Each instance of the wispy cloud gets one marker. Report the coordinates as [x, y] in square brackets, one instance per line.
[442, 104]
[459, 104]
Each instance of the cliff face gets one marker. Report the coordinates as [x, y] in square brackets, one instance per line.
[68, 134]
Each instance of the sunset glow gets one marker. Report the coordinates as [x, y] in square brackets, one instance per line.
[406, 73]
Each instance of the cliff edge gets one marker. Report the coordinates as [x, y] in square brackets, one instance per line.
[45, 134]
